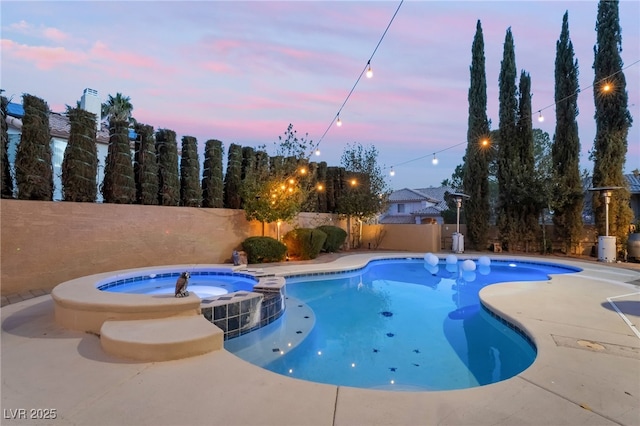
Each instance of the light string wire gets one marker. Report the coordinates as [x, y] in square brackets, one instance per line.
[604, 79]
[337, 116]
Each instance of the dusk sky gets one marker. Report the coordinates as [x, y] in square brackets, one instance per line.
[241, 72]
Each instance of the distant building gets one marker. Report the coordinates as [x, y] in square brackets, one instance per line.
[416, 206]
[633, 181]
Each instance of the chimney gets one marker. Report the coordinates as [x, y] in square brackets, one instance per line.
[91, 102]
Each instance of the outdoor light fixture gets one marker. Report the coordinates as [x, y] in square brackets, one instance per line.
[540, 117]
[606, 244]
[369, 71]
[606, 87]
[317, 152]
[435, 159]
[392, 172]
[338, 121]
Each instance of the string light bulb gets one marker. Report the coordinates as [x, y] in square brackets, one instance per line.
[317, 152]
[338, 121]
[435, 160]
[540, 117]
[392, 172]
[369, 70]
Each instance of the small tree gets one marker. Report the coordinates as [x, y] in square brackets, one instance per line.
[168, 179]
[190, 191]
[212, 181]
[80, 163]
[34, 169]
[366, 191]
[145, 167]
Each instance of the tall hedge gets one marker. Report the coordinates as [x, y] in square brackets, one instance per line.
[34, 169]
[190, 191]
[145, 167]
[80, 163]
[212, 176]
[118, 185]
[168, 179]
[233, 178]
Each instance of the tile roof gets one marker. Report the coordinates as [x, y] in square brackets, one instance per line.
[397, 220]
[407, 194]
[60, 128]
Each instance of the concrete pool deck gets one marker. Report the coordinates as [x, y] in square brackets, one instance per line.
[587, 371]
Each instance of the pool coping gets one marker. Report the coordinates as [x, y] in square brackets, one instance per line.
[567, 384]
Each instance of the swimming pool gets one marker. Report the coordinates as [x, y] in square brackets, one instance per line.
[204, 283]
[397, 324]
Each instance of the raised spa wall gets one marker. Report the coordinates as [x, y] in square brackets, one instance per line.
[234, 313]
[241, 312]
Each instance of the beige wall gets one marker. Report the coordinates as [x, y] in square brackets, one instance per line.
[420, 238]
[46, 243]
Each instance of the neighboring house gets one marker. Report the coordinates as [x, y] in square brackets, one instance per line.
[60, 128]
[417, 206]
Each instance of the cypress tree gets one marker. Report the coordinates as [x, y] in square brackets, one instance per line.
[322, 193]
[233, 177]
[612, 123]
[80, 163]
[476, 175]
[212, 184]
[34, 169]
[168, 179]
[248, 173]
[145, 168]
[568, 194]
[529, 197]
[507, 146]
[190, 191]
[6, 184]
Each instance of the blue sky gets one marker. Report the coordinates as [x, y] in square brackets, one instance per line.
[241, 72]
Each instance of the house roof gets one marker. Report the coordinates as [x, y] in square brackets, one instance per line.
[431, 194]
[397, 220]
[431, 211]
[407, 194]
[633, 181]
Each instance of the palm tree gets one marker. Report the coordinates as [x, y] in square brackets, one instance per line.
[117, 108]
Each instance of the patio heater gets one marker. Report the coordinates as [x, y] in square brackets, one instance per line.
[606, 244]
[458, 238]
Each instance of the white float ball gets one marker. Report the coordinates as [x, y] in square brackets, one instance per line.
[468, 265]
[431, 259]
[484, 261]
[452, 258]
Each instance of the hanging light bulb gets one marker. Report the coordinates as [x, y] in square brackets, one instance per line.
[540, 117]
[338, 122]
[369, 70]
[435, 160]
[392, 172]
[318, 152]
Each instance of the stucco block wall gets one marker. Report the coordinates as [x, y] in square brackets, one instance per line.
[46, 243]
[420, 238]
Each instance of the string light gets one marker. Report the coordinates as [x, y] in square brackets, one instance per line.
[317, 152]
[606, 87]
[392, 172]
[338, 121]
[367, 69]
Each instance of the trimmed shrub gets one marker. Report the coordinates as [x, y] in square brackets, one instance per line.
[304, 243]
[264, 249]
[336, 237]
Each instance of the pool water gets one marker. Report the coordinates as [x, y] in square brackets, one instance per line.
[396, 325]
[203, 284]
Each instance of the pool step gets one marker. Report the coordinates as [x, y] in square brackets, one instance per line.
[161, 339]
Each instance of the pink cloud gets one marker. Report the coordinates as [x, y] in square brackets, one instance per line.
[55, 34]
[44, 57]
[100, 51]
